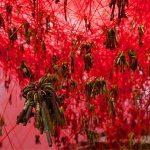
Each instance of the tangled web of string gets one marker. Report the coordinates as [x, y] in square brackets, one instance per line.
[97, 57]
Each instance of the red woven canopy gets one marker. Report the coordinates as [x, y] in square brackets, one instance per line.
[97, 54]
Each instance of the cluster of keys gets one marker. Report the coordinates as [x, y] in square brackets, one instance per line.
[95, 87]
[41, 102]
[121, 4]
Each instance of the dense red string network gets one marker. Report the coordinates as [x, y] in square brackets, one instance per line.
[56, 29]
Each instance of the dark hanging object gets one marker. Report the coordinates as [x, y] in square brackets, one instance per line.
[86, 47]
[121, 4]
[87, 23]
[113, 92]
[7, 83]
[88, 62]
[112, 98]
[2, 123]
[121, 61]
[92, 136]
[26, 70]
[72, 63]
[99, 87]
[140, 34]
[41, 97]
[88, 89]
[37, 139]
[121, 8]
[95, 87]
[112, 5]
[65, 70]
[12, 33]
[65, 9]
[10, 99]
[111, 105]
[27, 32]
[111, 39]
[133, 61]
[26, 27]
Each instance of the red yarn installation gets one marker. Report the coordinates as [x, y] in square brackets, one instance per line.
[34, 32]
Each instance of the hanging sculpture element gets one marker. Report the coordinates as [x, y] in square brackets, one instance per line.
[41, 102]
